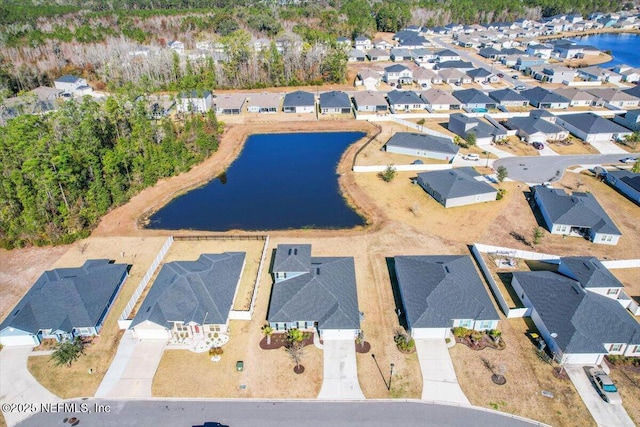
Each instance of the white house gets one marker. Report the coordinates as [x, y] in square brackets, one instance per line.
[72, 84]
[398, 73]
[440, 292]
[626, 182]
[194, 102]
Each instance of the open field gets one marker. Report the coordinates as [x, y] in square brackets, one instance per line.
[527, 376]
[75, 381]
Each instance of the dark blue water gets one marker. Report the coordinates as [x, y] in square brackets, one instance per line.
[624, 47]
[279, 181]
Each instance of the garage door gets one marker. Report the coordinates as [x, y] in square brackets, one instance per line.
[151, 334]
[19, 340]
[338, 334]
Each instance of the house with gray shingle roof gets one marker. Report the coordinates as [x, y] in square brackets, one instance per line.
[264, 103]
[616, 97]
[542, 98]
[627, 182]
[398, 73]
[370, 100]
[630, 120]
[194, 101]
[230, 103]
[356, 55]
[479, 75]
[456, 187]
[591, 273]
[335, 102]
[591, 127]
[578, 325]
[404, 100]
[376, 54]
[313, 293]
[508, 98]
[65, 303]
[579, 98]
[452, 75]
[535, 128]
[463, 66]
[485, 133]
[473, 98]
[190, 298]
[299, 102]
[438, 99]
[578, 214]
[400, 54]
[422, 145]
[441, 292]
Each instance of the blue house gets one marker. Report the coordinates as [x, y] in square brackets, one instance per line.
[65, 303]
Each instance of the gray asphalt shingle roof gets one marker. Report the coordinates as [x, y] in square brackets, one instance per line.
[472, 96]
[198, 291]
[538, 95]
[335, 99]
[578, 210]
[395, 68]
[531, 125]
[419, 141]
[458, 182]
[593, 124]
[462, 65]
[437, 289]
[629, 178]
[590, 272]
[299, 99]
[583, 321]
[67, 298]
[292, 258]
[402, 97]
[326, 293]
[478, 72]
[506, 95]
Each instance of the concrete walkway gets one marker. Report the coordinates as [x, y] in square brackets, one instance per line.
[132, 370]
[439, 381]
[498, 152]
[604, 414]
[17, 385]
[340, 371]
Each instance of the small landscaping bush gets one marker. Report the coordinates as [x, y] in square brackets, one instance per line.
[460, 332]
[405, 343]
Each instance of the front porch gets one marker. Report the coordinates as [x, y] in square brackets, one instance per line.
[198, 338]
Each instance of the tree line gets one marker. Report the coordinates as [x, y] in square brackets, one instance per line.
[62, 171]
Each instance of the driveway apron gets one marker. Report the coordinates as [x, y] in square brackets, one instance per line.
[18, 386]
[340, 371]
[439, 381]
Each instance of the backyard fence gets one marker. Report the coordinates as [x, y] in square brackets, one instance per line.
[246, 314]
[366, 144]
[621, 263]
[122, 322]
[403, 168]
[222, 237]
[514, 253]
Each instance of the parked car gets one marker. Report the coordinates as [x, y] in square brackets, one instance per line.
[392, 84]
[500, 75]
[458, 84]
[417, 162]
[538, 145]
[628, 160]
[515, 77]
[471, 156]
[604, 386]
[424, 85]
[520, 87]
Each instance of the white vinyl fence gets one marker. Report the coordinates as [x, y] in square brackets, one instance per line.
[246, 314]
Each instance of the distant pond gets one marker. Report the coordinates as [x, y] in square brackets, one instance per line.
[623, 47]
[279, 181]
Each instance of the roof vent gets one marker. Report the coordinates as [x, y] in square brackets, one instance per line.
[446, 269]
[148, 309]
[587, 265]
[318, 271]
[289, 251]
[16, 313]
[295, 251]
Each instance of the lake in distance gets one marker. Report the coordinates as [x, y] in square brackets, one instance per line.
[623, 47]
[279, 181]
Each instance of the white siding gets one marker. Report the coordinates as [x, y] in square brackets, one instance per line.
[339, 334]
[469, 200]
[16, 340]
[151, 332]
[430, 333]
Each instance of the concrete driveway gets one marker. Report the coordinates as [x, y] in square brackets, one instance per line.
[608, 147]
[132, 370]
[604, 414]
[340, 371]
[439, 381]
[17, 385]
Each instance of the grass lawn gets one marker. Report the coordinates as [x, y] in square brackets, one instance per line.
[628, 383]
[515, 146]
[76, 381]
[527, 376]
[576, 147]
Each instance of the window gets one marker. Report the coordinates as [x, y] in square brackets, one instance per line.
[485, 324]
[635, 349]
[612, 292]
[615, 347]
[181, 327]
[465, 323]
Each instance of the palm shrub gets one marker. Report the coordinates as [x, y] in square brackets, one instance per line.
[68, 352]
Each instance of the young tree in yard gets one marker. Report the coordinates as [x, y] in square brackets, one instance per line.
[632, 140]
[537, 235]
[470, 138]
[502, 173]
[295, 335]
[267, 331]
[421, 123]
[68, 352]
[295, 350]
[389, 173]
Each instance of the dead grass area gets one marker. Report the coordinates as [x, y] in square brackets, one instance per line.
[628, 383]
[517, 217]
[191, 250]
[629, 278]
[527, 376]
[575, 147]
[587, 60]
[20, 268]
[502, 277]
[625, 147]
[515, 146]
[75, 381]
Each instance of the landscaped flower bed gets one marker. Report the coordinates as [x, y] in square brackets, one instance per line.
[479, 340]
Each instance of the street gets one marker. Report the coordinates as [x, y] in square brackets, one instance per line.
[550, 168]
[251, 413]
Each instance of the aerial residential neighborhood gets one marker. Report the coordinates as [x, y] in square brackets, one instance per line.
[219, 214]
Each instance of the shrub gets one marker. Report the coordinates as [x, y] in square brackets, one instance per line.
[404, 342]
[389, 173]
[295, 335]
[215, 351]
[460, 332]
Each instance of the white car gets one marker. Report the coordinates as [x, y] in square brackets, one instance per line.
[628, 160]
[604, 386]
[471, 156]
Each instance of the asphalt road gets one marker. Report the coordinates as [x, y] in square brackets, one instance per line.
[253, 413]
[541, 169]
[467, 57]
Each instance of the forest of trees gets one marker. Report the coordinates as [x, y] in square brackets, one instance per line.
[61, 172]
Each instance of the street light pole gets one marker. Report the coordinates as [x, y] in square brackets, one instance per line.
[390, 376]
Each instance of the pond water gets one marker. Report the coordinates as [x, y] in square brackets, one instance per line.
[623, 47]
[279, 181]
